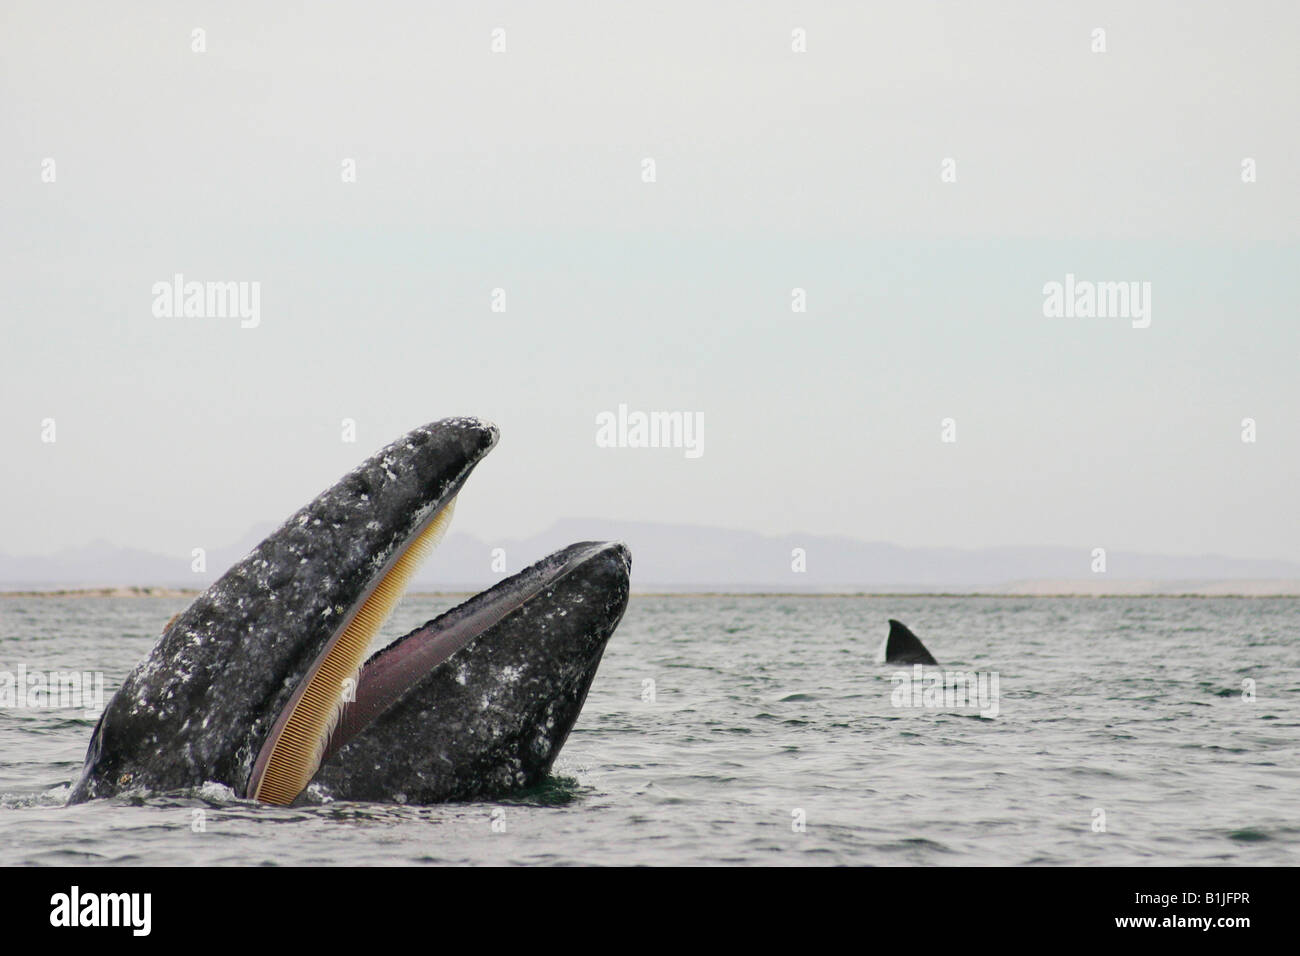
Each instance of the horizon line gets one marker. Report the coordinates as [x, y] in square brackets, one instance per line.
[160, 591]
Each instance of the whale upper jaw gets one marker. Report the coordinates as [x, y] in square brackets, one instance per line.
[246, 686]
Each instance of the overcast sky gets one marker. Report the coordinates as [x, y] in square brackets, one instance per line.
[774, 169]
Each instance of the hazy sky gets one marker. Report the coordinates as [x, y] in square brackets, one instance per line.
[775, 170]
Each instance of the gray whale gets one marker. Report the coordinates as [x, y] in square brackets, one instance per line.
[262, 685]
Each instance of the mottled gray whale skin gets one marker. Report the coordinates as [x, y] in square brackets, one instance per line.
[200, 706]
[490, 708]
[904, 647]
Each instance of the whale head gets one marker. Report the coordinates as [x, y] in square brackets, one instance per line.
[248, 685]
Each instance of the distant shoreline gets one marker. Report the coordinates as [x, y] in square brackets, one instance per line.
[165, 592]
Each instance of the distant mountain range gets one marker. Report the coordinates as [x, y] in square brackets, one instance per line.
[690, 558]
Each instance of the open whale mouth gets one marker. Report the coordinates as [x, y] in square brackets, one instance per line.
[342, 693]
[298, 738]
[263, 680]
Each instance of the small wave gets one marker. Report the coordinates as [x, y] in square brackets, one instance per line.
[1249, 835]
[53, 797]
[554, 791]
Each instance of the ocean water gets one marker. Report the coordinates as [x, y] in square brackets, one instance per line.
[761, 730]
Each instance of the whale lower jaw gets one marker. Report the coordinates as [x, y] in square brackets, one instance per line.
[479, 700]
[386, 737]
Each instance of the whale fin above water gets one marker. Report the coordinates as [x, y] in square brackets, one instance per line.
[904, 647]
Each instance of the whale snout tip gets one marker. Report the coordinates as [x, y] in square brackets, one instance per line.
[488, 430]
[616, 553]
[622, 552]
[477, 435]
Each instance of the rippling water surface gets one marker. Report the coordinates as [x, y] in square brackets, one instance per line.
[765, 711]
